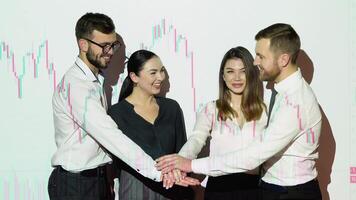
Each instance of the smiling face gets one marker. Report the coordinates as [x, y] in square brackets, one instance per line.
[266, 61]
[234, 76]
[95, 54]
[150, 78]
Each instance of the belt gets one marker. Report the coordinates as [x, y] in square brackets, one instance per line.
[286, 189]
[96, 172]
[232, 182]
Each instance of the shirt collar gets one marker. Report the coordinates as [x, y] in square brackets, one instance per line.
[87, 72]
[290, 83]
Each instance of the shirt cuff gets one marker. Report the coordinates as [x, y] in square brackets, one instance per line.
[157, 177]
[201, 166]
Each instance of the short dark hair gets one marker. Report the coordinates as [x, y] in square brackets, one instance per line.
[283, 39]
[93, 21]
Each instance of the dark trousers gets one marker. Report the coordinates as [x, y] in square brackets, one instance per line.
[306, 191]
[86, 185]
[238, 186]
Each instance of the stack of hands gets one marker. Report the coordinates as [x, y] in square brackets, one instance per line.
[174, 169]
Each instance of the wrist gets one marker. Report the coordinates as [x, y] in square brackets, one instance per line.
[189, 165]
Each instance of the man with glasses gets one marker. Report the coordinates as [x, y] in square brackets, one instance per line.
[84, 133]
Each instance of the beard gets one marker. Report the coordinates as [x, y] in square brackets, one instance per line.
[95, 60]
[269, 76]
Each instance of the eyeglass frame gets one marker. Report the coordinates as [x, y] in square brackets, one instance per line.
[114, 46]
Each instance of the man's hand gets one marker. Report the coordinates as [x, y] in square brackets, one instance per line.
[168, 163]
[179, 178]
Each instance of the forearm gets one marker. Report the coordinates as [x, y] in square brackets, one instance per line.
[193, 146]
[91, 116]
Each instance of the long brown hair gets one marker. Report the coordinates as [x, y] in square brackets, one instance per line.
[252, 104]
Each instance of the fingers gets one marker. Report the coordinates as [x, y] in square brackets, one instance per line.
[171, 180]
[173, 161]
[167, 169]
[165, 180]
[183, 174]
[191, 181]
[165, 157]
[168, 180]
[187, 181]
[166, 161]
[177, 175]
[182, 183]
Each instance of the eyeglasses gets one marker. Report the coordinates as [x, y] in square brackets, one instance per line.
[107, 47]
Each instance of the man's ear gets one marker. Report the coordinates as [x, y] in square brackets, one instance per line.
[83, 45]
[283, 60]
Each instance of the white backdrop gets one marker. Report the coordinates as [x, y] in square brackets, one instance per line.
[37, 45]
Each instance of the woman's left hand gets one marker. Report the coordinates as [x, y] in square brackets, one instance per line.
[170, 162]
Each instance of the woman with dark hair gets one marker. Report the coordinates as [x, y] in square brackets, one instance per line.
[156, 124]
[233, 121]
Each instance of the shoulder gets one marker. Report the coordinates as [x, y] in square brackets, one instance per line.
[119, 107]
[75, 73]
[75, 79]
[309, 102]
[208, 107]
[303, 97]
[211, 104]
[167, 102]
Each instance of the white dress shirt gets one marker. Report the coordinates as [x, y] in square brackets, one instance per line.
[288, 148]
[83, 129]
[226, 136]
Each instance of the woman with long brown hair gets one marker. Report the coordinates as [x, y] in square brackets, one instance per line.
[234, 120]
